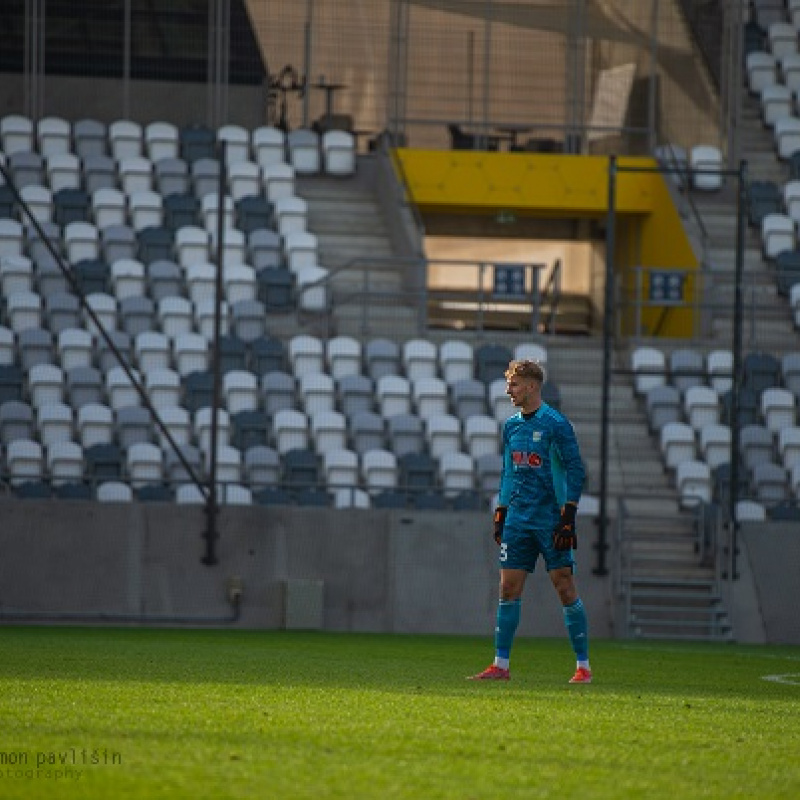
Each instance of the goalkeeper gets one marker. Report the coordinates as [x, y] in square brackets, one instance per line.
[540, 486]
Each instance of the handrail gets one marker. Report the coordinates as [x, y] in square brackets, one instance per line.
[674, 166]
[420, 296]
[554, 281]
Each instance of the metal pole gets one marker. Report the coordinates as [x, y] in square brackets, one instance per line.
[736, 384]
[608, 334]
[211, 534]
[652, 100]
[307, 62]
[126, 61]
[487, 68]
[470, 74]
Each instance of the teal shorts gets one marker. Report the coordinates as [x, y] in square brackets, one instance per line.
[520, 549]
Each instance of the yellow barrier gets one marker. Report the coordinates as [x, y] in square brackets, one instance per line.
[650, 232]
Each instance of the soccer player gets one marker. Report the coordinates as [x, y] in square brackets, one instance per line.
[540, 486]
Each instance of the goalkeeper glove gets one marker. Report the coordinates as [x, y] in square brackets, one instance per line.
[499, 520]
[564, 536]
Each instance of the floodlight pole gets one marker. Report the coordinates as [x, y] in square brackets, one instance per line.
[736, 377]
[211, 534]
[608, 337]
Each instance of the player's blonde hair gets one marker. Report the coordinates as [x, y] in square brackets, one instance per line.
[532, 370]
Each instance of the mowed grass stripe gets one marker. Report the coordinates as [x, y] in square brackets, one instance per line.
[194, 713]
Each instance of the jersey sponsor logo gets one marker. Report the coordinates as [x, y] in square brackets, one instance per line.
[521, 458]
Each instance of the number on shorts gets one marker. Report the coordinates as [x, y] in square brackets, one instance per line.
[503, 551]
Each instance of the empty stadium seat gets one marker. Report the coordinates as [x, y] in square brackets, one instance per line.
[303, 147]
[379, 470]
[481, 436]
[663, 405]
[778, 409]
[338, 152]
[430, 396]
[715, 444]
[262, 466]
[468, 398]
[456, 472]
[268, 145]
[236, 140]
[693, 480]
[250, 428]
[393, 395]
[677, 440]
[702, 407]
[406, 434]
[443, 434]
[649, 367]
[290, 429]
[343, 356]
[367, 432]
[456, 361]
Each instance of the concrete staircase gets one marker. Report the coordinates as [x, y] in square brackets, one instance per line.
[767, 321]
[368, 281]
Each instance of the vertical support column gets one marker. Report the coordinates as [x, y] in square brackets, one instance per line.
[736, 387]
[608, 335]
[211, 534]
[127, 34]
[34, 59]
[308, 65]
[397, 81]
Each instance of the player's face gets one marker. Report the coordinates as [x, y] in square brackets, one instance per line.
[520, 390]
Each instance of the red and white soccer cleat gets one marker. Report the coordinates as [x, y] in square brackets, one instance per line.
[582, 675]
[492, 673]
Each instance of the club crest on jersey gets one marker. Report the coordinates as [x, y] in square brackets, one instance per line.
[523, 459]
[536, 436]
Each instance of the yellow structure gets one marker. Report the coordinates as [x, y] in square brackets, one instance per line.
[650, 236]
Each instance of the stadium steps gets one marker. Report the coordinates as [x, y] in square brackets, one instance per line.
[355, 245]
[768, 322]
[667, 591]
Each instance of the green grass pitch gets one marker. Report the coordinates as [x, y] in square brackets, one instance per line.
[135, 713]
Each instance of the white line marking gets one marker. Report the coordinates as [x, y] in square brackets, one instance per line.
[790, 678]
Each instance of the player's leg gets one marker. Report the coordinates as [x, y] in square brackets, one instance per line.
[518, 554]
[575, 621]
[509, 606]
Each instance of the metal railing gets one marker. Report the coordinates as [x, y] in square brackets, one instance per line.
[478, 306]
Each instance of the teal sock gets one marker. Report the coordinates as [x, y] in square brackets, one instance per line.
[578, 629]
[508, 613]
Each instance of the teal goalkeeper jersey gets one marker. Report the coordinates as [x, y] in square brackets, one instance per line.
[542, 468]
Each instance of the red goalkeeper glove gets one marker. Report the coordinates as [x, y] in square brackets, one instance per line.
[499, 520]
[564, 536]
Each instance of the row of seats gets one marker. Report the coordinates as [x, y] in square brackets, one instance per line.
[38, 180]
[688, 367]
[50, 418]
[688, 399]
[113, 491]
[242, 390]
[109, 207]
[308, 151]
[186, 246]
[145, 463]
[450, 361]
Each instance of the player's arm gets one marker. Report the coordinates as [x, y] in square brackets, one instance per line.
[504, 494]
[565, 536]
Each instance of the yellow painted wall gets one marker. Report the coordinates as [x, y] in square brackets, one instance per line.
[650, 232]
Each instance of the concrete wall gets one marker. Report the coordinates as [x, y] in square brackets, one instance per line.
[768, 590]
[349, 570]
[381, 571]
